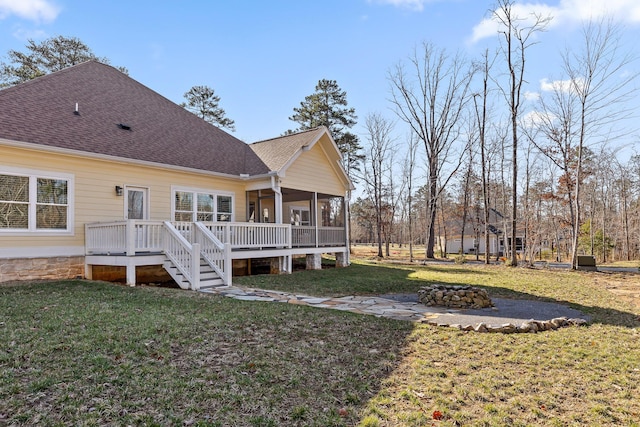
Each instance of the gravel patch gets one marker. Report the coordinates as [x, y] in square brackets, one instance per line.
[504, 311]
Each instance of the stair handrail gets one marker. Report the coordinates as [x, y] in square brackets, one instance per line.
[214, 252]
[184, 255]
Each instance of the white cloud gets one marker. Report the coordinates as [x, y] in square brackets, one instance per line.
[560, 85]
[34, 10]
[567, 12]
[535, 118]
[531, 96]
[23, 34]
[417, 5]
[580, 10]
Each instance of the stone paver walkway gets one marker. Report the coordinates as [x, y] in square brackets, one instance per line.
[403, 307]
[376, 306]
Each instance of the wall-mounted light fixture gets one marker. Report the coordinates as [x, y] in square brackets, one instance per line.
[119, 190]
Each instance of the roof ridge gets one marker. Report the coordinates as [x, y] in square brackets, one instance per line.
[290, 135]
[48, 76]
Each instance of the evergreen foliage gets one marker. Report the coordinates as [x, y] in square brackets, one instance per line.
[47, 56]
[204, 103]
[328, 107]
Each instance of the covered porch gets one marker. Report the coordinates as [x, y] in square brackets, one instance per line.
[198, 247]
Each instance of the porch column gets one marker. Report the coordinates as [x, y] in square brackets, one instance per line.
[314, 262]
[346, 203]
[315, 223]
[285, 264]
[131, 272]
[277, 200]
[278, 207]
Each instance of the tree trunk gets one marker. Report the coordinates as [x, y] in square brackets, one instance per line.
[431, 218]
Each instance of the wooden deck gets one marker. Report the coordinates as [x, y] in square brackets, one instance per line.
[189, 251]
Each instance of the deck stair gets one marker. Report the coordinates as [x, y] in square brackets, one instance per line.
[208, 277]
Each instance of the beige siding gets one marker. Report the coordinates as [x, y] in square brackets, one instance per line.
[95, 198]
[313, 172]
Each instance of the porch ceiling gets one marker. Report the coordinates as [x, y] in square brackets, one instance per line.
[293, 195]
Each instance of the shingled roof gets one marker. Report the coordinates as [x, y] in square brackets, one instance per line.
[118, 117]
[278, 152]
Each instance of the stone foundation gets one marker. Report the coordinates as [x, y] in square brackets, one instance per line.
[454, 296]
[314, 261]
[53, 268]
[342, 260]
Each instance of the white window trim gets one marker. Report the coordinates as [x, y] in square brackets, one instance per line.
[300, 208]
[195, 190]
[33, 175]
[147, 195]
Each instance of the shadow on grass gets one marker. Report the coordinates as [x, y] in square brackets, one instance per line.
[158, 356]
[95, 353]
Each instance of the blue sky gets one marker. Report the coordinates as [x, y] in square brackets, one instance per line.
[263, 57]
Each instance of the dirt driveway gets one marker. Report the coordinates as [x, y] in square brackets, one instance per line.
[625, 285]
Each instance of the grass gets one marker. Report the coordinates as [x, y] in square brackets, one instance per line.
[91, 353]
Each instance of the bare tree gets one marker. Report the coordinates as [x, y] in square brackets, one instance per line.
[584, 110]
[467, 182]
[517, 35]
[601, 84]
[624, 191]
[481, 116]
[408, 176]
[376, 167]
[431, 100]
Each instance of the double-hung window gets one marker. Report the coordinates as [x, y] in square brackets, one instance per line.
[35, 202]
[198, 205]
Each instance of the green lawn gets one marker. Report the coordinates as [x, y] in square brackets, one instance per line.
[91, 353]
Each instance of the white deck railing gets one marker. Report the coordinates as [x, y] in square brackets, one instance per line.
[184, 255]
[214, 252]
[332, 236]
[133, 237]
[105, 238]
[124, 237]
[250, 235]
[303, 236]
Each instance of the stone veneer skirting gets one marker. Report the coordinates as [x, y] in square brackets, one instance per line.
[12, 269]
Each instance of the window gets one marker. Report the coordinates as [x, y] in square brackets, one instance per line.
[300, 216]
[34, 202]
[183, 206]
[224, 208]
[202, 206]
[205, 207]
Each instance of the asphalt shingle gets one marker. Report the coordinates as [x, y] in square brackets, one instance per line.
[41, 111]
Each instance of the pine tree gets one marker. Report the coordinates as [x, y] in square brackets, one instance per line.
[47, 56]
[327, 106]
[204, 103]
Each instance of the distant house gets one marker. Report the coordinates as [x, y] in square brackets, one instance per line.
[102, 177]
[472, 240]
